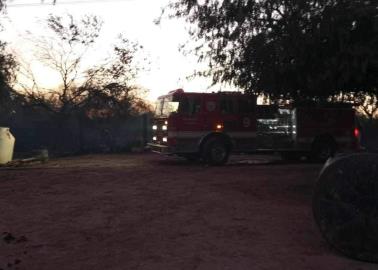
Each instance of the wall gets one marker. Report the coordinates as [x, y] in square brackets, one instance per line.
[35, 129]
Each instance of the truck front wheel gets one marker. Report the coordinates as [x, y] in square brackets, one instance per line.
[215, 152]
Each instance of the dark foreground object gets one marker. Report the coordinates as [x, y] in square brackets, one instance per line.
[345, 205]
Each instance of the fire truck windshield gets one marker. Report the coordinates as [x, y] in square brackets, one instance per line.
[165, 106]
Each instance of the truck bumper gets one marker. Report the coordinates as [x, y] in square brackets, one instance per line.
[181, 148]
[159, 148]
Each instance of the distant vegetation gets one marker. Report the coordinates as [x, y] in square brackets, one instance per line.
[90, 109]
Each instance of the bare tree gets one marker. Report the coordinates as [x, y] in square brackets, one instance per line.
[111, 85]
[63, 51]
[108, 86]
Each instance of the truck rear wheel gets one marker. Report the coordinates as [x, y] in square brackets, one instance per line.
[215, 152]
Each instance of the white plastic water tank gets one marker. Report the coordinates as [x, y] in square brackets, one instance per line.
[6, 145]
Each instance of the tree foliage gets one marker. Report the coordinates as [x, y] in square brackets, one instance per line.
[293, 48]
[110, 86]
[8, 69]
[8, 65]
[7, 61]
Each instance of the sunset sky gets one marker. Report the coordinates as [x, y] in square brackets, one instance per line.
[133, 18]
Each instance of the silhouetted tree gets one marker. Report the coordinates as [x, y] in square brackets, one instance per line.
[8, 68]
[62, 50]
[108, 85]
[296, 49]
[111, 87]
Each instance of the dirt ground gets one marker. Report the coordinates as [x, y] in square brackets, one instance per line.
[145, 211]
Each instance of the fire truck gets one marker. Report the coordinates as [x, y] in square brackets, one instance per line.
[210, 126]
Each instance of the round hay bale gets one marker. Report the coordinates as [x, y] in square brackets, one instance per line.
[345, 205]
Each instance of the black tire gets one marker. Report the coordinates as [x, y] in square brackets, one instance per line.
[345, 205]
[323, 149]
[215, 151]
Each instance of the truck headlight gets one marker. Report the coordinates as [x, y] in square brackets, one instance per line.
[165, 139]
[164, 127]
[154, 138]
[154, 127]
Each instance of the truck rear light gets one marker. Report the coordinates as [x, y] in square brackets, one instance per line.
[356, 133]
[357, 139]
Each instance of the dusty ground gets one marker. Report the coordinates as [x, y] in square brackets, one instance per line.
[151, 212]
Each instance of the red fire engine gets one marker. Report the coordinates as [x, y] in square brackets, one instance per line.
[212, 125]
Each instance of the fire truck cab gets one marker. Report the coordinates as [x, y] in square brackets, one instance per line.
[209, 126]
